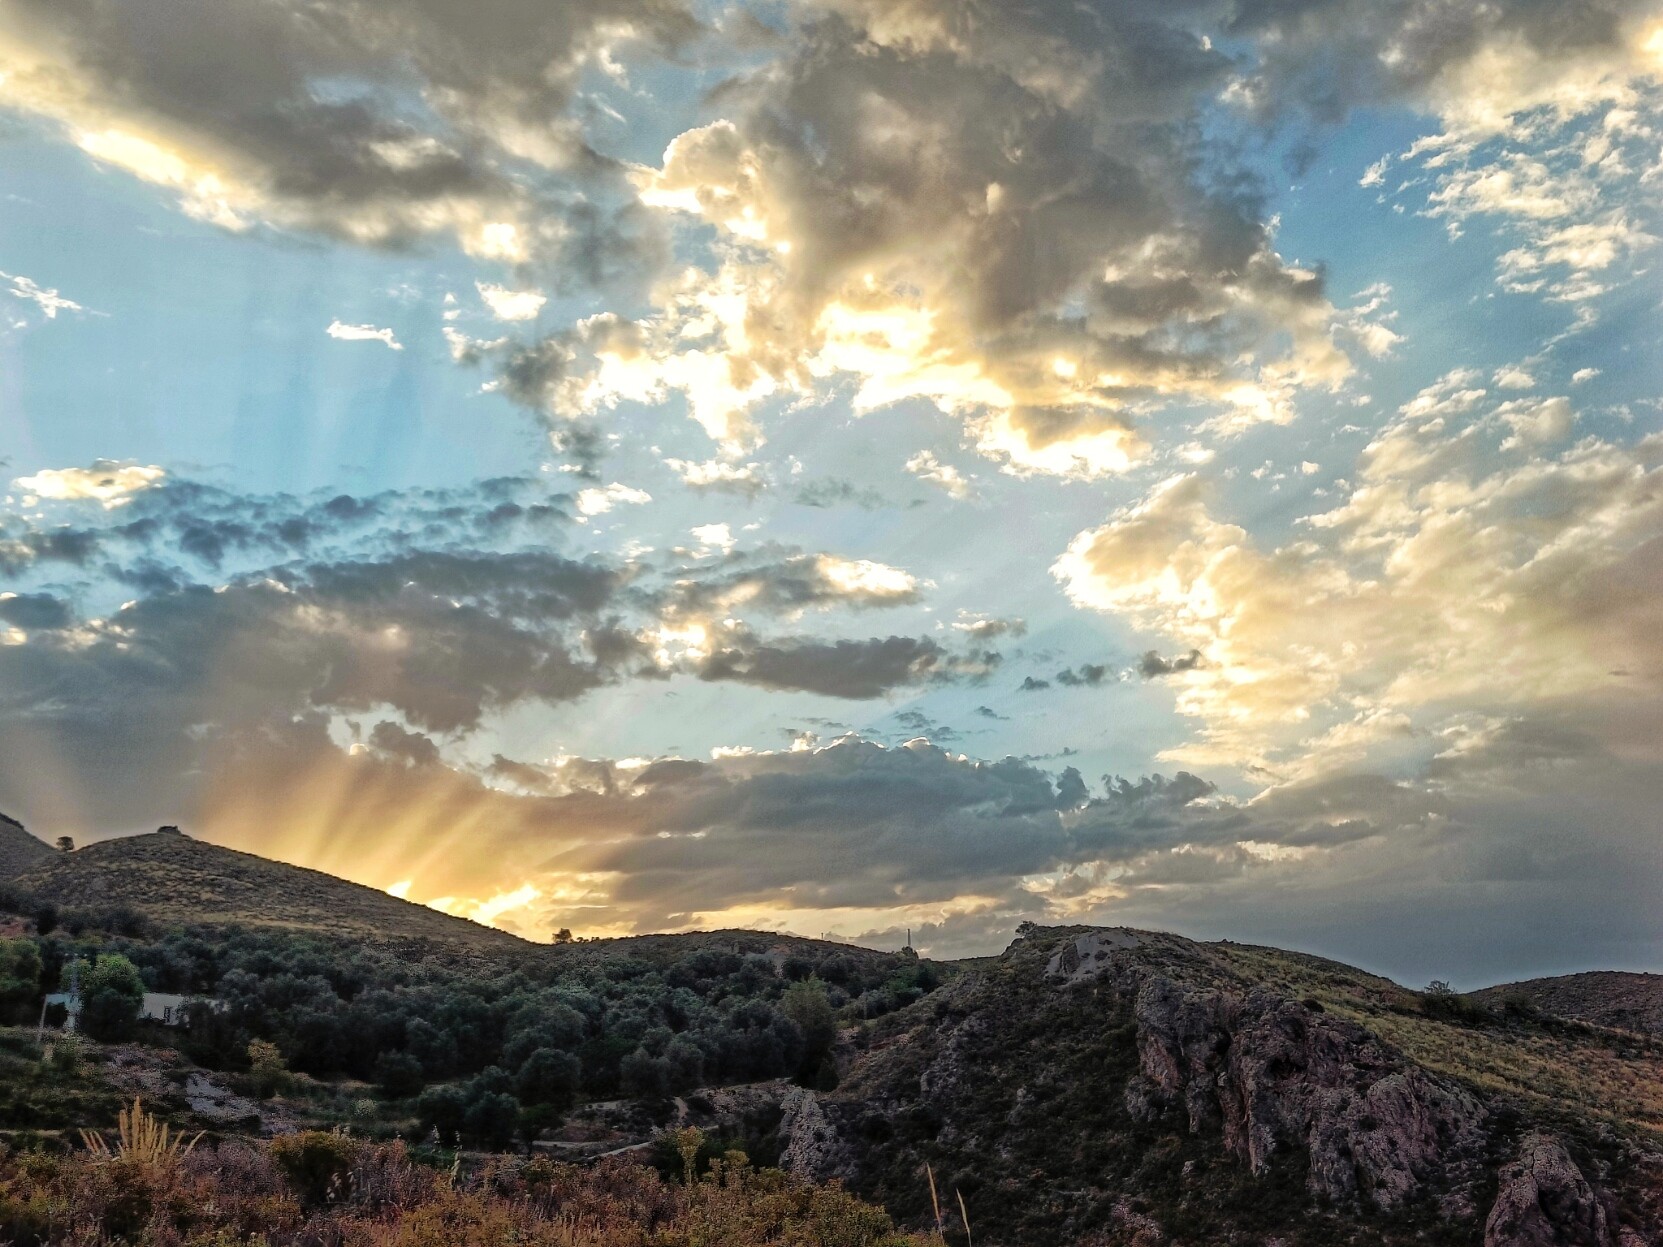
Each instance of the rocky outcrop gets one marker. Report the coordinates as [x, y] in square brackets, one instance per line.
[1274, 1076]
[1545, 1201]
[813, 1144]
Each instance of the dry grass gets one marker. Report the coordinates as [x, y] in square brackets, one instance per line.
[313, 1189]
[1601, 1074]
[140, 1137]
[174, 878]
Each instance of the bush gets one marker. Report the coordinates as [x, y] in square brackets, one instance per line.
[316, 1163]
[441, 1109]
[266, 1069]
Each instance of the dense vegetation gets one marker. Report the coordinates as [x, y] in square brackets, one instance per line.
[147, 1186]
[488, 1050]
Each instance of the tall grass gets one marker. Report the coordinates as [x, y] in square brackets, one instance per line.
[153, 1189]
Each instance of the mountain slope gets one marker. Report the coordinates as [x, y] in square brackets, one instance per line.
[1631, 1002]
[172, 878]
[1124, 1087]
[20, 851]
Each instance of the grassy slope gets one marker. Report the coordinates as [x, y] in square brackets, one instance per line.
[1554, 1068]
[173, 878]
[20, 851]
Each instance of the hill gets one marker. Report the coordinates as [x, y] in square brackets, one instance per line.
[1131, 1087]
[19, 851]
[170, 877]
[1631, 1002]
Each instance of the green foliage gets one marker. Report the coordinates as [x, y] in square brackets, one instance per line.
[549, 1077]
[316, 1163]
[806, 1004]
[20, 968]
[492, 1120]
[111, 994]
[441, 1109]
[266, 1068]
[1441, 1002]
[398, 1074]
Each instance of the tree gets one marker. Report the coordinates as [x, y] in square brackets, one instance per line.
[564, 936]
[493, 1119]
[399, 1075]
[66, 844]
[548, 1077]
[806, 1005]
[642, 1076]
[19, 971]
[111, 995]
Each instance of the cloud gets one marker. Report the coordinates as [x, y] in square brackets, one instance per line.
[1089, 675]
[106, 481]
[833, 491]
[1003, 214]
[720, 476]
[601, 499]
[363, 333]
[244, 614]
[1152, 666]
[926, 467]
[513, 305]
[48, 302]
[985, 628]
[377, 123]
[1474, 537]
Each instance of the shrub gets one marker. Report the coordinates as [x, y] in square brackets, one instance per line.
[317, 1164]
[266, 1068]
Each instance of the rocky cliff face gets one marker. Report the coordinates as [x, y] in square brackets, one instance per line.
[1112, 1086]
[1543, 1200]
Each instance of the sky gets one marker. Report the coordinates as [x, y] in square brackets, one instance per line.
[852, 466]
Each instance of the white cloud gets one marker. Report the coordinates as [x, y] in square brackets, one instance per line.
[926, 467]
[506, 304]
[1474, 539]
[720, 475]
[363, 333]
[49, 302]
[1585, 374]
[715, 538]
[110, 483]
[600, 500]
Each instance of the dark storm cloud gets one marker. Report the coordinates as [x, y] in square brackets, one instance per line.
[835, 491]
[920, 724]
[855, 669]
[1152, 666]
[778, 580]
[396, 741]
[1089, 675]
[34, 610]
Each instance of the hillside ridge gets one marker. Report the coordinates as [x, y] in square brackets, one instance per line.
[172, 877]
[20, 849]
[1618, 999]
